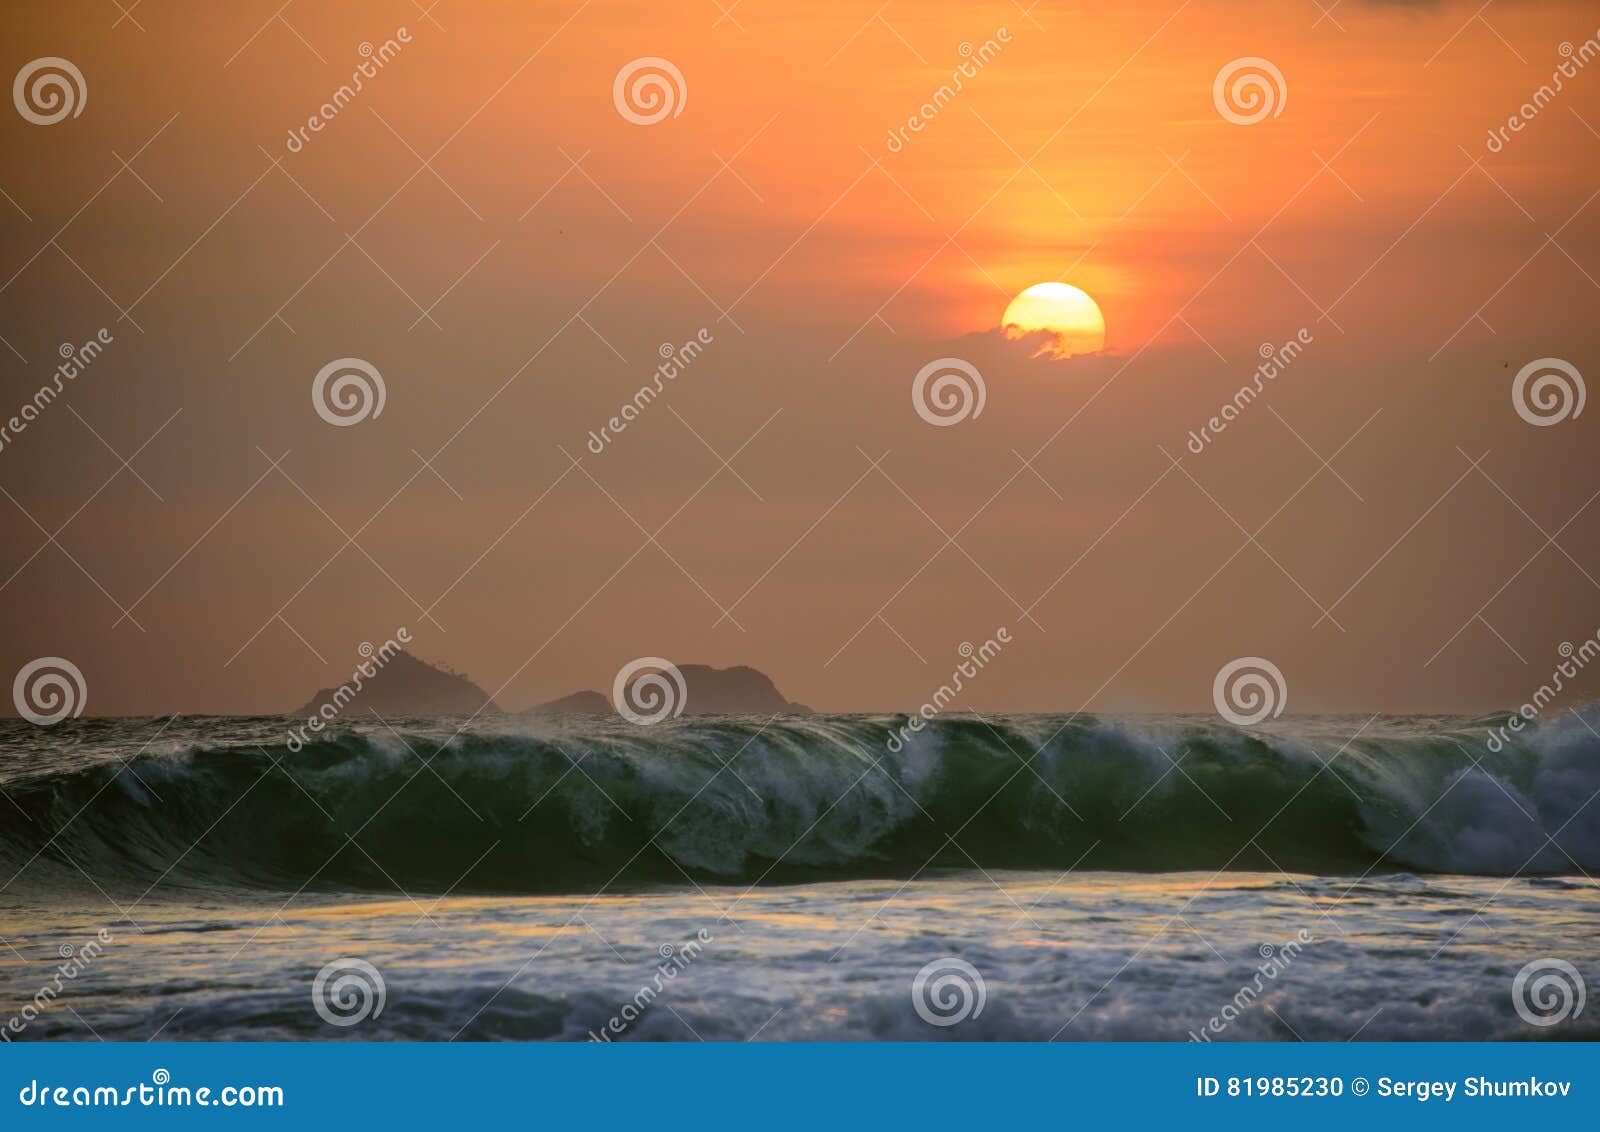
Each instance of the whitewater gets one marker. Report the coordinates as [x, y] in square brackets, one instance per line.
[520, 877]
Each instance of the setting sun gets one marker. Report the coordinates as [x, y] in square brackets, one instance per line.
[1061, 309]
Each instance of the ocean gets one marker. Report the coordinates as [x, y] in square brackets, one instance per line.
[1020, 877]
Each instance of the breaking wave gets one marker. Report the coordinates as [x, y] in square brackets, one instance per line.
[572, 803]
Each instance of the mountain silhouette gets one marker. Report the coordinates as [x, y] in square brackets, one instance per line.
[579, 703]
[740, 690]
[402, 686]
[406, 686]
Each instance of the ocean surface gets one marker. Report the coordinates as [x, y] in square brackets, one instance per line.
[726, 878]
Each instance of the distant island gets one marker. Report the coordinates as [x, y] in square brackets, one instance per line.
[406, 686]
[579, 703]
[733, 691]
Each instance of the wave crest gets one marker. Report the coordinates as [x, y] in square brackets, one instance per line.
[570, 805]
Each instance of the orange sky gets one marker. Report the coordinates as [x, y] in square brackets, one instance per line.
[512, 301]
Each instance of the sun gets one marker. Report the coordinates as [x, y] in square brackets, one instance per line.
[1062, 310]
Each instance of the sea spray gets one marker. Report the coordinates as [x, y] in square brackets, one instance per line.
[792, 799]
[973, 662]
[1575, 659]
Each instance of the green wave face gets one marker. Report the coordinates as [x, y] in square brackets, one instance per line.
[571, 804]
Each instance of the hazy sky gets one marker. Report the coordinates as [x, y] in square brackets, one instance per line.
[484, 226]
